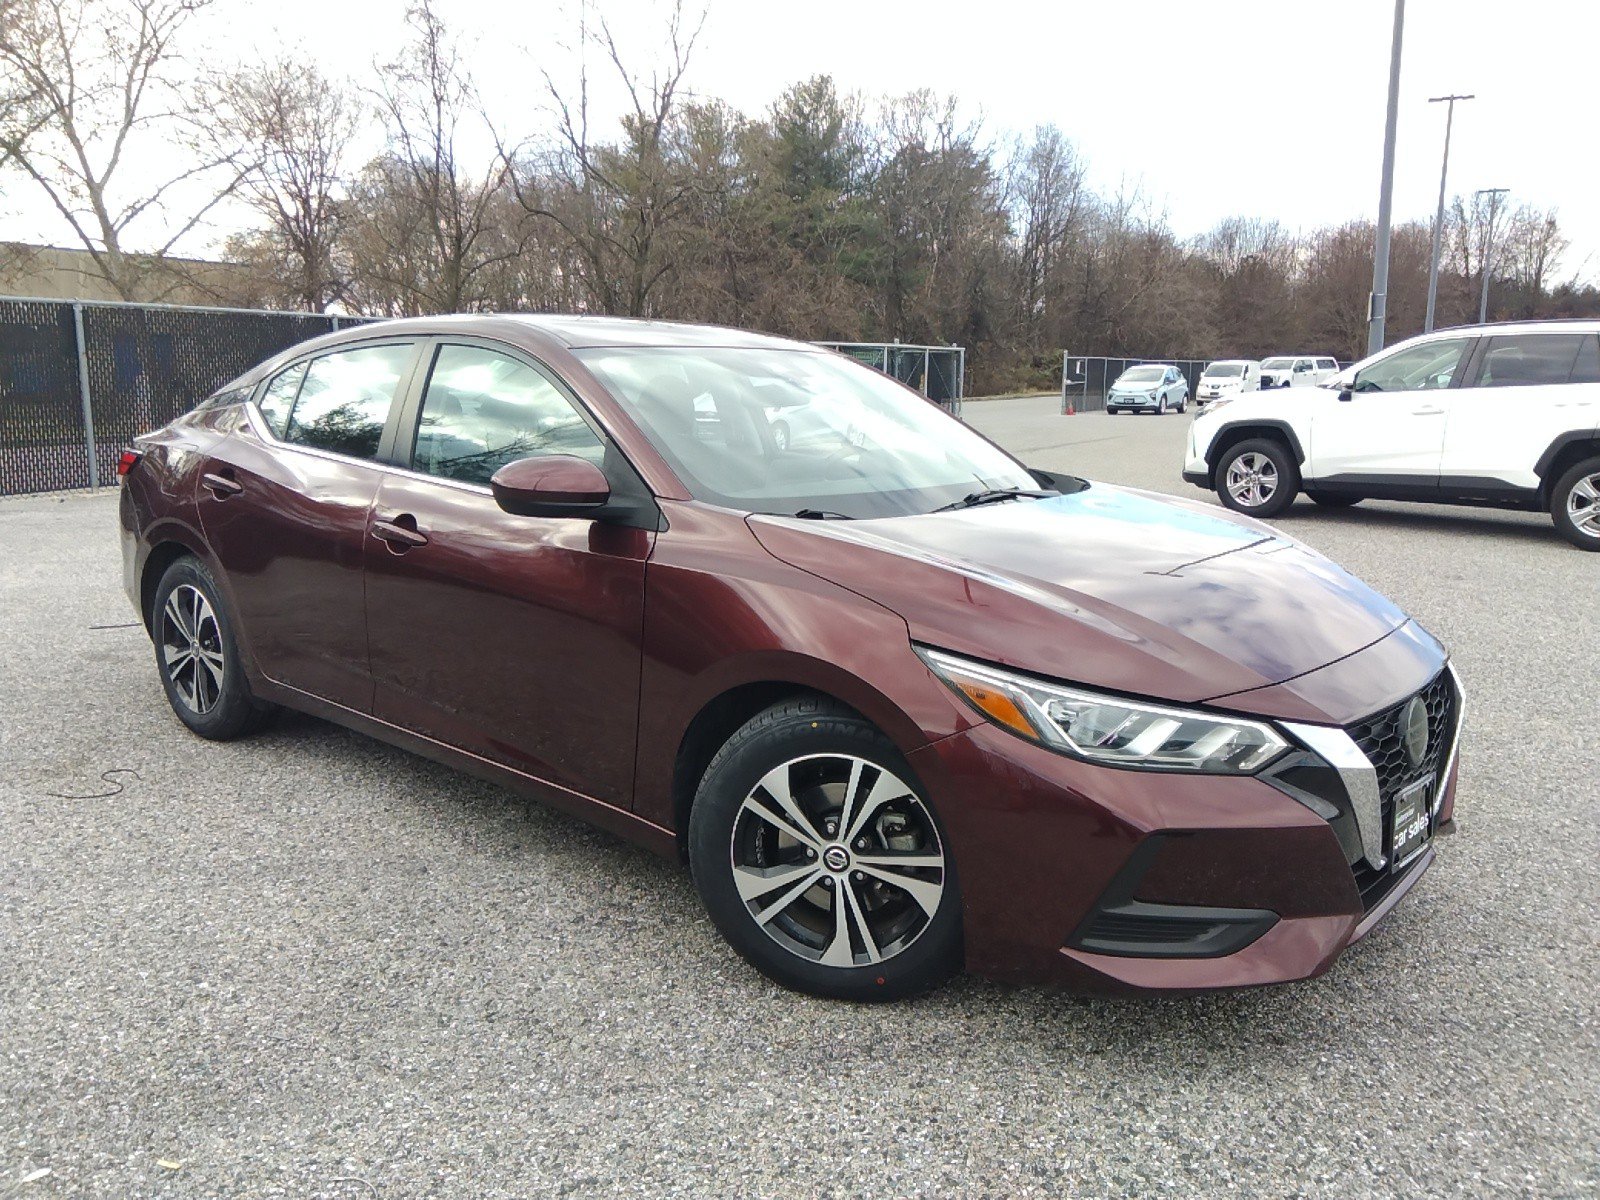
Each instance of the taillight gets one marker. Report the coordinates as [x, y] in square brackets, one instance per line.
[127, 462]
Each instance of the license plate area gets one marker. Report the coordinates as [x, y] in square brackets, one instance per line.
[1411, 825]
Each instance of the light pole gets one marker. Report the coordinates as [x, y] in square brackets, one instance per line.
[1494, 195]
[1377, 302]
[1438, 219]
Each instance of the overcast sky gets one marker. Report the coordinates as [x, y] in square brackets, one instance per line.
[1266, 108]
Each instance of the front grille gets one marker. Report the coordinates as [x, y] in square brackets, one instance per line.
[1381, 739]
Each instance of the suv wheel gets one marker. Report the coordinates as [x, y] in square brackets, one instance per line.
[1258, 477]
[198, 658]
[819, 859]
[1575, 504]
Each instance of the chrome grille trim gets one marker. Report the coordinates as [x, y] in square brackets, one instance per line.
[1339, 750]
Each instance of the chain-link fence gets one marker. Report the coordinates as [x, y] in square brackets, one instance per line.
[1085, 379]
[78, 381]
[938, 372]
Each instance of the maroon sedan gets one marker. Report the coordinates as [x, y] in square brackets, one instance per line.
[901, 702]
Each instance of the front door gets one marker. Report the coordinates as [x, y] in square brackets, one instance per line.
[1387, 428]
[514, 638]
[285, 509]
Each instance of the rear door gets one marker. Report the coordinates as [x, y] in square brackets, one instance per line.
[1387, 429]
[515, 638]
[1524, 391]
[284, 505]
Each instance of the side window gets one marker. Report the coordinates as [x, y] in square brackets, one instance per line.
[1415, 368]
[1587, 368]
[278, 398]
[345, 399]
[1529, 359]
[483, 409]
[1327, 364]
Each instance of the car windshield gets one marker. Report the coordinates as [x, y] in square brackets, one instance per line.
[1224, 371]
[784, 431]
[1142, 375]
[1278, 364]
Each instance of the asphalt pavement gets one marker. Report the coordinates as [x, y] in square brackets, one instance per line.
[308, 965]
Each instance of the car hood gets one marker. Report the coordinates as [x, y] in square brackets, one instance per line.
[1108, 587]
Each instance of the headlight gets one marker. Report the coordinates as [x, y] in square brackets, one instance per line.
[1110, 730]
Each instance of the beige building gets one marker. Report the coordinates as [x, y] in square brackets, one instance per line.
[56, 273]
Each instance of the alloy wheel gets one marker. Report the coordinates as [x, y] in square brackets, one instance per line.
[1252, 479]
[837, 860]
[191, 648]
[1583, 505]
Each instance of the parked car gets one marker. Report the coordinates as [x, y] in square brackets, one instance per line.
[901, 705]
[1151, 387]
[1297, 371]
[1224, 380]
[1498, 415]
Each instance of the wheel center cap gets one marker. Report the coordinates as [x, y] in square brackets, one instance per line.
[836, 858]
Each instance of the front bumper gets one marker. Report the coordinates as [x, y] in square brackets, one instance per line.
[1110, 880]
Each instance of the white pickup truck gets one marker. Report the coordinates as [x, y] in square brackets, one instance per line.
[1296, 370]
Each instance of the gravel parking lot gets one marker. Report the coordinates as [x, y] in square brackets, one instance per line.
[307, 965]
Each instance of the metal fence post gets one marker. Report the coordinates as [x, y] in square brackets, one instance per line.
[83, 396]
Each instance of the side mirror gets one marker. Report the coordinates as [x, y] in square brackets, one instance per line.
[557, 485]
[1345, 394]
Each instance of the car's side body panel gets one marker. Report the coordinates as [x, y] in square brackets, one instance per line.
[515, 638]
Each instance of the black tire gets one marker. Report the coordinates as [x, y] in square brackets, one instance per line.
[1332, 501]
[1573, 502]
[807, 738]
[1284, 484]
[220, 709]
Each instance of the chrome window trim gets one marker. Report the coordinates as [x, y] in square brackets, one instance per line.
[1359, 777]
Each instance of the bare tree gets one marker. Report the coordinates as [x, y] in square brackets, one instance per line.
[302, 124]
[618, 202]
[104, 110]
[421, 229]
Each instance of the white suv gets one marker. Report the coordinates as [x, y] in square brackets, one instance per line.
[1297, 370]
[1500, 415]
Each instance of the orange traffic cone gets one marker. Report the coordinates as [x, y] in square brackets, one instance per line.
[1070, 410]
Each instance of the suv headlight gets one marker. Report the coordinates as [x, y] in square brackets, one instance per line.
[1110, 730]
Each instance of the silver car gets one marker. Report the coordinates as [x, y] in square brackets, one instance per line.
[1149, 387]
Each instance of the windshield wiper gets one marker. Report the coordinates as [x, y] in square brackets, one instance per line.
[993, 496]
[822, 514]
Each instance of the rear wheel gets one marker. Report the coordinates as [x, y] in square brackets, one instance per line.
[197, 656]
[819, 859]
[1258, 477]
[1575, 504]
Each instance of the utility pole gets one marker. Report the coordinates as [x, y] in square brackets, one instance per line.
[1377, 302]
[1494, 195]
[1438, 219]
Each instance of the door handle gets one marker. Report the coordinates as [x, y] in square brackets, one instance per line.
[221, 485]
[1427, 412]
[399, 537]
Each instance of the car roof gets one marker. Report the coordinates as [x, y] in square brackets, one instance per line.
[577, 331]
[537, 332]
[1231, 362]
[1556, 325]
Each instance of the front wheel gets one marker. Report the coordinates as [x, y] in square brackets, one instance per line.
[1575, 504]
[820, 860]
[1258, 477]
